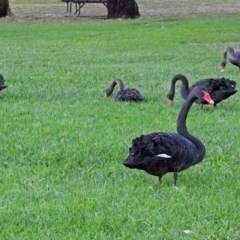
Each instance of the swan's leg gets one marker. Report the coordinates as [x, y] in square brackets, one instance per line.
[201, 105]
[175, 176]
[160, 179]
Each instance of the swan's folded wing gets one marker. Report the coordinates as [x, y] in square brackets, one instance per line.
[170, 145]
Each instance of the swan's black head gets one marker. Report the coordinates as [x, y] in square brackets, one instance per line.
[228, 84]
[134, 160]
[136, 155]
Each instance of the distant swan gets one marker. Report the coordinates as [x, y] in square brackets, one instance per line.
[2, 82]
[161, 152]
[233, 57]
[128, 94]
[218, 88]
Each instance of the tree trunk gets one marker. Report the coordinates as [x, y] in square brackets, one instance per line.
[5, 9]
[122, 9]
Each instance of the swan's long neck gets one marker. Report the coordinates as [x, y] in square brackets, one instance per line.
[184, 88]
[118, 82]
[182, 128]
[229, 51]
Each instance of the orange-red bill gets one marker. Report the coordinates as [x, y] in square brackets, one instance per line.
[222, 68]
[208, 98]
[170, 102]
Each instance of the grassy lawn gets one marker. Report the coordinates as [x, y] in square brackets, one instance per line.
[63, 143]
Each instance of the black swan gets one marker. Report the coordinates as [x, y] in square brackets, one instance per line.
[128, 94]
[218, 88]
[2, 82]
[233, 57]
[161, 152]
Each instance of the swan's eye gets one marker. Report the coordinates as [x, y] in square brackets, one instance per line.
[131, 152]
[134, 153]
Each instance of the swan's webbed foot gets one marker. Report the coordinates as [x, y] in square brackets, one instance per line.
[175, 176]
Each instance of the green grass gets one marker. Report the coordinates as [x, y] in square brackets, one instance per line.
[62, 142]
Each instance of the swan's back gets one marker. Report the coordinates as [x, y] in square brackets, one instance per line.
[124, 94]
[234, 57]
[129, 94]
[216, 83]
[218, 88]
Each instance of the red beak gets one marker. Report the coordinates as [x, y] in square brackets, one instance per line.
[207, 98]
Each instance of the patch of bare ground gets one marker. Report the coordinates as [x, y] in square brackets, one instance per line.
[190, 11]
[147, 10]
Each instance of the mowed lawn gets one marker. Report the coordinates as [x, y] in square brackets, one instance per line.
[63, 143]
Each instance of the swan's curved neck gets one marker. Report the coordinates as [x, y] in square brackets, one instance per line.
[120, 84]
[182, 128]
[228, 50]
[184, 88]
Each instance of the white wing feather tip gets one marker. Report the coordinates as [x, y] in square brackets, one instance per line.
[163, 155]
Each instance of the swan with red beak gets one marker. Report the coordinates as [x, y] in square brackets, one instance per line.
[158, 153]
